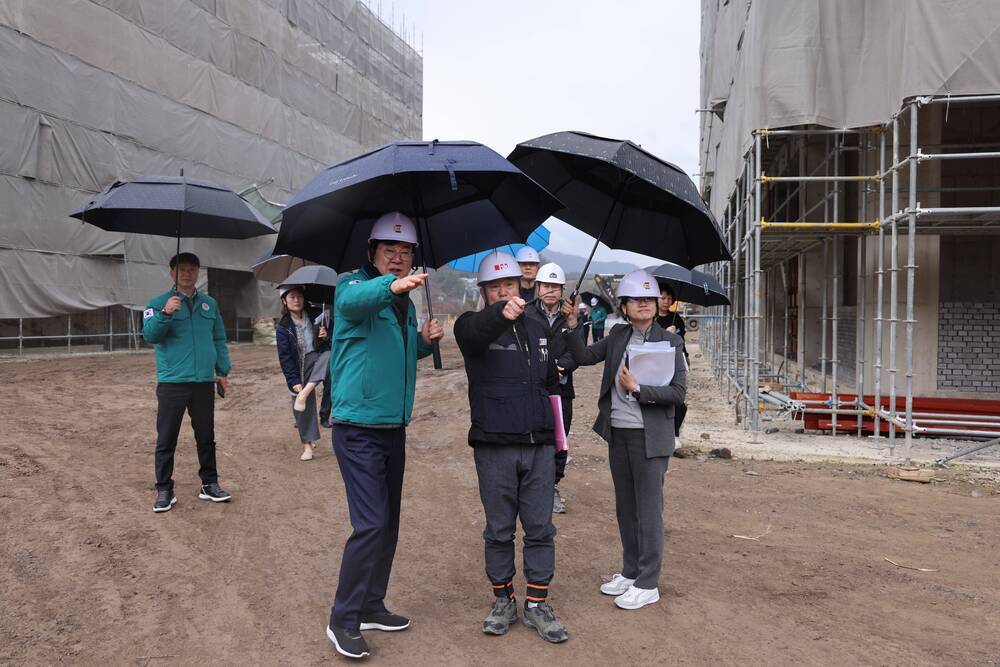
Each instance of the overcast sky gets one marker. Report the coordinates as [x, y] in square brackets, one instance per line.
[503, 72]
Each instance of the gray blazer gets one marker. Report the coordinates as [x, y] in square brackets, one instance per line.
[657, 403]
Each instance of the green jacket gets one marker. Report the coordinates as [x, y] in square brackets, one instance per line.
[190, 342]
[374, 372]
[598, 316]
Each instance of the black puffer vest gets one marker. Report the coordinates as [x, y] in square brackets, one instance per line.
[508, 397]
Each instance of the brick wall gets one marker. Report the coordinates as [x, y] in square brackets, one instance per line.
[969, 346]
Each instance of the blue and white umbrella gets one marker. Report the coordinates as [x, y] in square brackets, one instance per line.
[538, 240]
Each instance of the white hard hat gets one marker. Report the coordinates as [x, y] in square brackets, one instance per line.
[394, 227]
[551, 273]
[638, 285]
[527, 254]
[583, 306]
[285, 289]
[593, 301]
[497, 265]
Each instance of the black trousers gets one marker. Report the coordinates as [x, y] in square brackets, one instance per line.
[172, 400]
[326, 404]
[567, 410]
[371, 463]
[598, 333]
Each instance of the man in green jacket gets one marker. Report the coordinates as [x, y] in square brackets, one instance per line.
[191, 358]
[373, 363]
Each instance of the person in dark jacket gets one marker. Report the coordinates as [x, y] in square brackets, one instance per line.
[304, 355]
[671, 321]
[637, 422]
[512, 374]
[550, 310]
[528, 260]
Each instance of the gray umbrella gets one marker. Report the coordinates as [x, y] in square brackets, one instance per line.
[275, 268]
[317, 281]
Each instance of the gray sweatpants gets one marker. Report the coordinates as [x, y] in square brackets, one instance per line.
[516, 481]
[638, 504]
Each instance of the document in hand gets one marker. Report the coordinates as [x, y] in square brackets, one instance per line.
[557, 421]
[652, 364]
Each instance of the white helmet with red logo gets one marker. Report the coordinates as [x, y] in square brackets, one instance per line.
[527, 254]
[394, 227]
[638, 285]
[498, 265]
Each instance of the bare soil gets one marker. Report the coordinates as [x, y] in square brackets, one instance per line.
[91, 576]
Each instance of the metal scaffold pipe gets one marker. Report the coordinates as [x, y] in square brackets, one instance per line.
[911, 269]
[893, 288]
[880, 286]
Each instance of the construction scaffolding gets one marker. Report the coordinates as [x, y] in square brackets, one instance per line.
[810, 190]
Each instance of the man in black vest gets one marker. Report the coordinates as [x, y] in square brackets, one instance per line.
[511, 376]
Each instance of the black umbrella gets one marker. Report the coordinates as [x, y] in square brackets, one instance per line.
[690, 286]
[586, 297]
[317, 282]
[174, 206]
[463, 196]
[624, 196]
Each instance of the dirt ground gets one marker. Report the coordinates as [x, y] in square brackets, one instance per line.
[91, 576]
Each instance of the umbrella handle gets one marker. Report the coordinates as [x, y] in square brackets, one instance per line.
[435, 347]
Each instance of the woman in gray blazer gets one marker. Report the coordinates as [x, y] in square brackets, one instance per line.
[638, 424]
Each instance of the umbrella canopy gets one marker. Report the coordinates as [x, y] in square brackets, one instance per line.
[275, 268]
[585, 298]
[624, 196]
[691, 286]
[539, 240]
[318, 282]
[174, 206]
[463, 196]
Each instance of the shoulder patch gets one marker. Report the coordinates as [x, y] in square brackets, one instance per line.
[354, 282]
[205, 306]
[148, 313]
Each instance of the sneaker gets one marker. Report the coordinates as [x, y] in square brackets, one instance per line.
[307, 453]
[385, 621]
[325, 423]
[543, 619]
[164, 501]
[635, 598]
[347, 643]
[617, 585]
[503, 614]
[558, 506]
[214, 493]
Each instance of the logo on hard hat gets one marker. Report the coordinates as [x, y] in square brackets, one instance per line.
[645, 284]
[497, 267]
[553, 275]
[398, 229]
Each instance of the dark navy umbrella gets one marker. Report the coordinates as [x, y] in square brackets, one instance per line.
[690, 286]
[463, 196]
[174, 206]
[624, 196]
[586, 298]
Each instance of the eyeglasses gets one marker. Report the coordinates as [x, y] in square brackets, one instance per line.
[397, 253]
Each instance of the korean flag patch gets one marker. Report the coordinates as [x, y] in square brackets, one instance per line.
[148, 313]
[204, 306]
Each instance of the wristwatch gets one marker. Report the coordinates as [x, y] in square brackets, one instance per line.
[635, 392]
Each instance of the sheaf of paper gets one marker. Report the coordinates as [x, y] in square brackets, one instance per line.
[652, 364]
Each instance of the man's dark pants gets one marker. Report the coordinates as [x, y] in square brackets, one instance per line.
[326, 403]
[567, 412]
[371, 463]
[172, 400]
[516, 481]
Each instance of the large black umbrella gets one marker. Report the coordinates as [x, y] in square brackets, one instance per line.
[691, 286]
[463, 196]
[174, 206]
[624, 196]
[587, 297]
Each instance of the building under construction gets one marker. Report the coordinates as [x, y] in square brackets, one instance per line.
[258, 95]
[850, 152]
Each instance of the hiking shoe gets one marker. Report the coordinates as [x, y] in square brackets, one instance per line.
[617, 585]
[164, 501]
[558, 506]
[325, 423]
[384, 620]
[543, 619]
[347, 643]
[214, 493]
[636, 598]
[503, 614]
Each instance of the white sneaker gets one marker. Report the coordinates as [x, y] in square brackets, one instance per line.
[635, 598]
[617, 585]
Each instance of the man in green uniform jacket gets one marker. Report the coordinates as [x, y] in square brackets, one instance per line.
[373, 362]
[191, 358]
